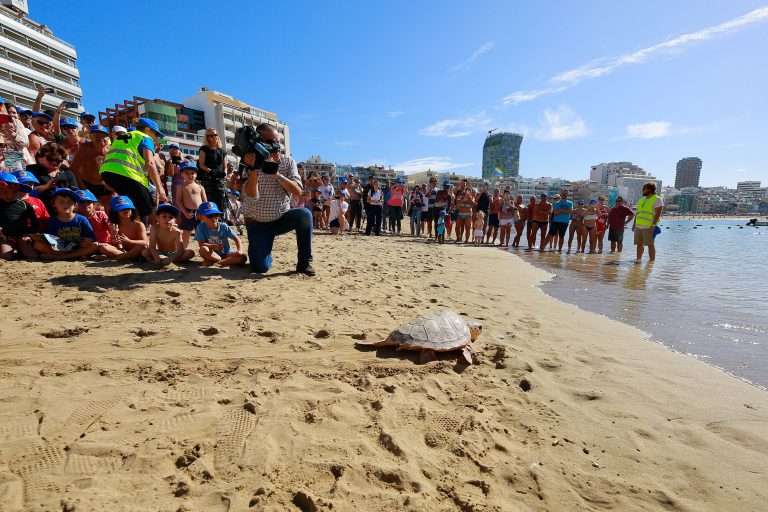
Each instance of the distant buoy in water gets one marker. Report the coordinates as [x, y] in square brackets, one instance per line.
[694, 227]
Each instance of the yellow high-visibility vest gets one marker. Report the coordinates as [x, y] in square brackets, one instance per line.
[124, 158]
[645, 211]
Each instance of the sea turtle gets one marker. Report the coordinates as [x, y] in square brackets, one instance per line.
[440, 332]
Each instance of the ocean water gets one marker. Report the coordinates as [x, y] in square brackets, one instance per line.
[706, 295]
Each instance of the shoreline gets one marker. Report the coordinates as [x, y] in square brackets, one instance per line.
[251, 388]
[648, 335]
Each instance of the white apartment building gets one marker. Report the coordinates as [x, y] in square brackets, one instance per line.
[599, 172]
[227, 114]
[30, 55]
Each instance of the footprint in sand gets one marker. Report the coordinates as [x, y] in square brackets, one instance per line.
[232, 430]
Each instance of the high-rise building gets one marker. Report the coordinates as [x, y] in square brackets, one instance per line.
[30, 55]
[501, 156]
[180, 124]
[227, 114]
[688, 172]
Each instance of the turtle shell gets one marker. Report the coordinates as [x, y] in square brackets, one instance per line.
[440, 332]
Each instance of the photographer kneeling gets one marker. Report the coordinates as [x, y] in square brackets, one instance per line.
[266, 204]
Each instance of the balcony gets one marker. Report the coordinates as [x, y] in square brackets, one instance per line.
[34, 26]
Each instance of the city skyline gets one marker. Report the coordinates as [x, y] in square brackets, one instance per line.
[678, 81]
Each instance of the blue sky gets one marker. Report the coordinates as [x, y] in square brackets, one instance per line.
[418, 84]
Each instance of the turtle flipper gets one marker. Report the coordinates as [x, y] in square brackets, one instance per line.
[427, 355]
[467, 352]
[373, 343]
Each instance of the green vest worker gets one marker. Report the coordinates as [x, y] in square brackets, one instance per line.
[648, 214]
[130, 166]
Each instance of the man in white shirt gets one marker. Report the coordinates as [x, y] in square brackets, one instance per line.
[327, 193]
[337, 214]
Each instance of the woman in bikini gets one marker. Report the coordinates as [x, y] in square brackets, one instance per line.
[530, 209]
[465, 203]
[590, 224]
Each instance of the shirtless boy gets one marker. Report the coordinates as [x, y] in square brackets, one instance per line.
[165, 239]
[87, 161]
[190, 197]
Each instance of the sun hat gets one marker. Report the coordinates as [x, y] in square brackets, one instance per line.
[120, 203]
[97, 128]
[85, 195]
[66, 192]
[208, 208]
[168, 208]
[149, 123]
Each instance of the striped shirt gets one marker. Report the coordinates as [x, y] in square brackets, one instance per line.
[273, 201]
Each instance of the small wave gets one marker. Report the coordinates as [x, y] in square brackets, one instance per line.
[743, 328]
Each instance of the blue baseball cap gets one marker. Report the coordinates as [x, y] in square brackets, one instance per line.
[581, 201]
[26, 177]
[68, 122]
[97, 128]
[8, 178]
[85, 195]
[173, 145]
[236, 193]
[87, 114]
[208, 208]
[187, 164]
[593, 201]
[544, 194]
[442, 213]
[66, 192]
[120, 203]
[148, 123]
[446, 183]
[23, 112]
[168, 208]
[399, 180]
[2, 100]
[41, 114]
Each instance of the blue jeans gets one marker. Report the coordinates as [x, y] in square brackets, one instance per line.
[261, 236]
[416, 221]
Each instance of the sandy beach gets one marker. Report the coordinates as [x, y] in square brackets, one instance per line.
[198, 389]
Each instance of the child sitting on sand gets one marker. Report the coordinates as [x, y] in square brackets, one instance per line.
[98, 219]
[29, 179]
[128, 235]
[17, 219]
[213, 238]
[68, 234]
[189, 196]
[166, 245]
[478, 228]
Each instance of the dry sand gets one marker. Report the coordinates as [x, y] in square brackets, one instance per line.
[203, 389]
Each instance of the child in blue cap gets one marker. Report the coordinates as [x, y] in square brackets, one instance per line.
[17, 219]
[127, 233]
[165, 239]
[29, 179]
[68, 234]
[98, 219]
[213, 238]
[442, 216]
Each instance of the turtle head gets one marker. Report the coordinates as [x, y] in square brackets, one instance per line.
[475, 328]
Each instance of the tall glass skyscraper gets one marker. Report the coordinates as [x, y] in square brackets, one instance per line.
[501, 156]
[688, 172]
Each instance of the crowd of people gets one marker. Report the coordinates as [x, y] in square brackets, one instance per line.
[480, 217]
[73, 189]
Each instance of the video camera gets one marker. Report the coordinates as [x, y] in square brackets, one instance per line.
[248, 140]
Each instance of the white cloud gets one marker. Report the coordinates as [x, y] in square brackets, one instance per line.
[435, 163]
[395, 113]
[560, 124]
[458, 127]
[653, 130]
[487, 46]
[605, 66]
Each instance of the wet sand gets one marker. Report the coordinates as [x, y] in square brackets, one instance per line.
[204, 389]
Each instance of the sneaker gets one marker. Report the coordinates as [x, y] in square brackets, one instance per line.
[305, 268]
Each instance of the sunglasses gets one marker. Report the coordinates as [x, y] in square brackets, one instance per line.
[44, 123]
[213, 135]
[54, 160]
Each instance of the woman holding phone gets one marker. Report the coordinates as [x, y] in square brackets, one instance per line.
[14, 135]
